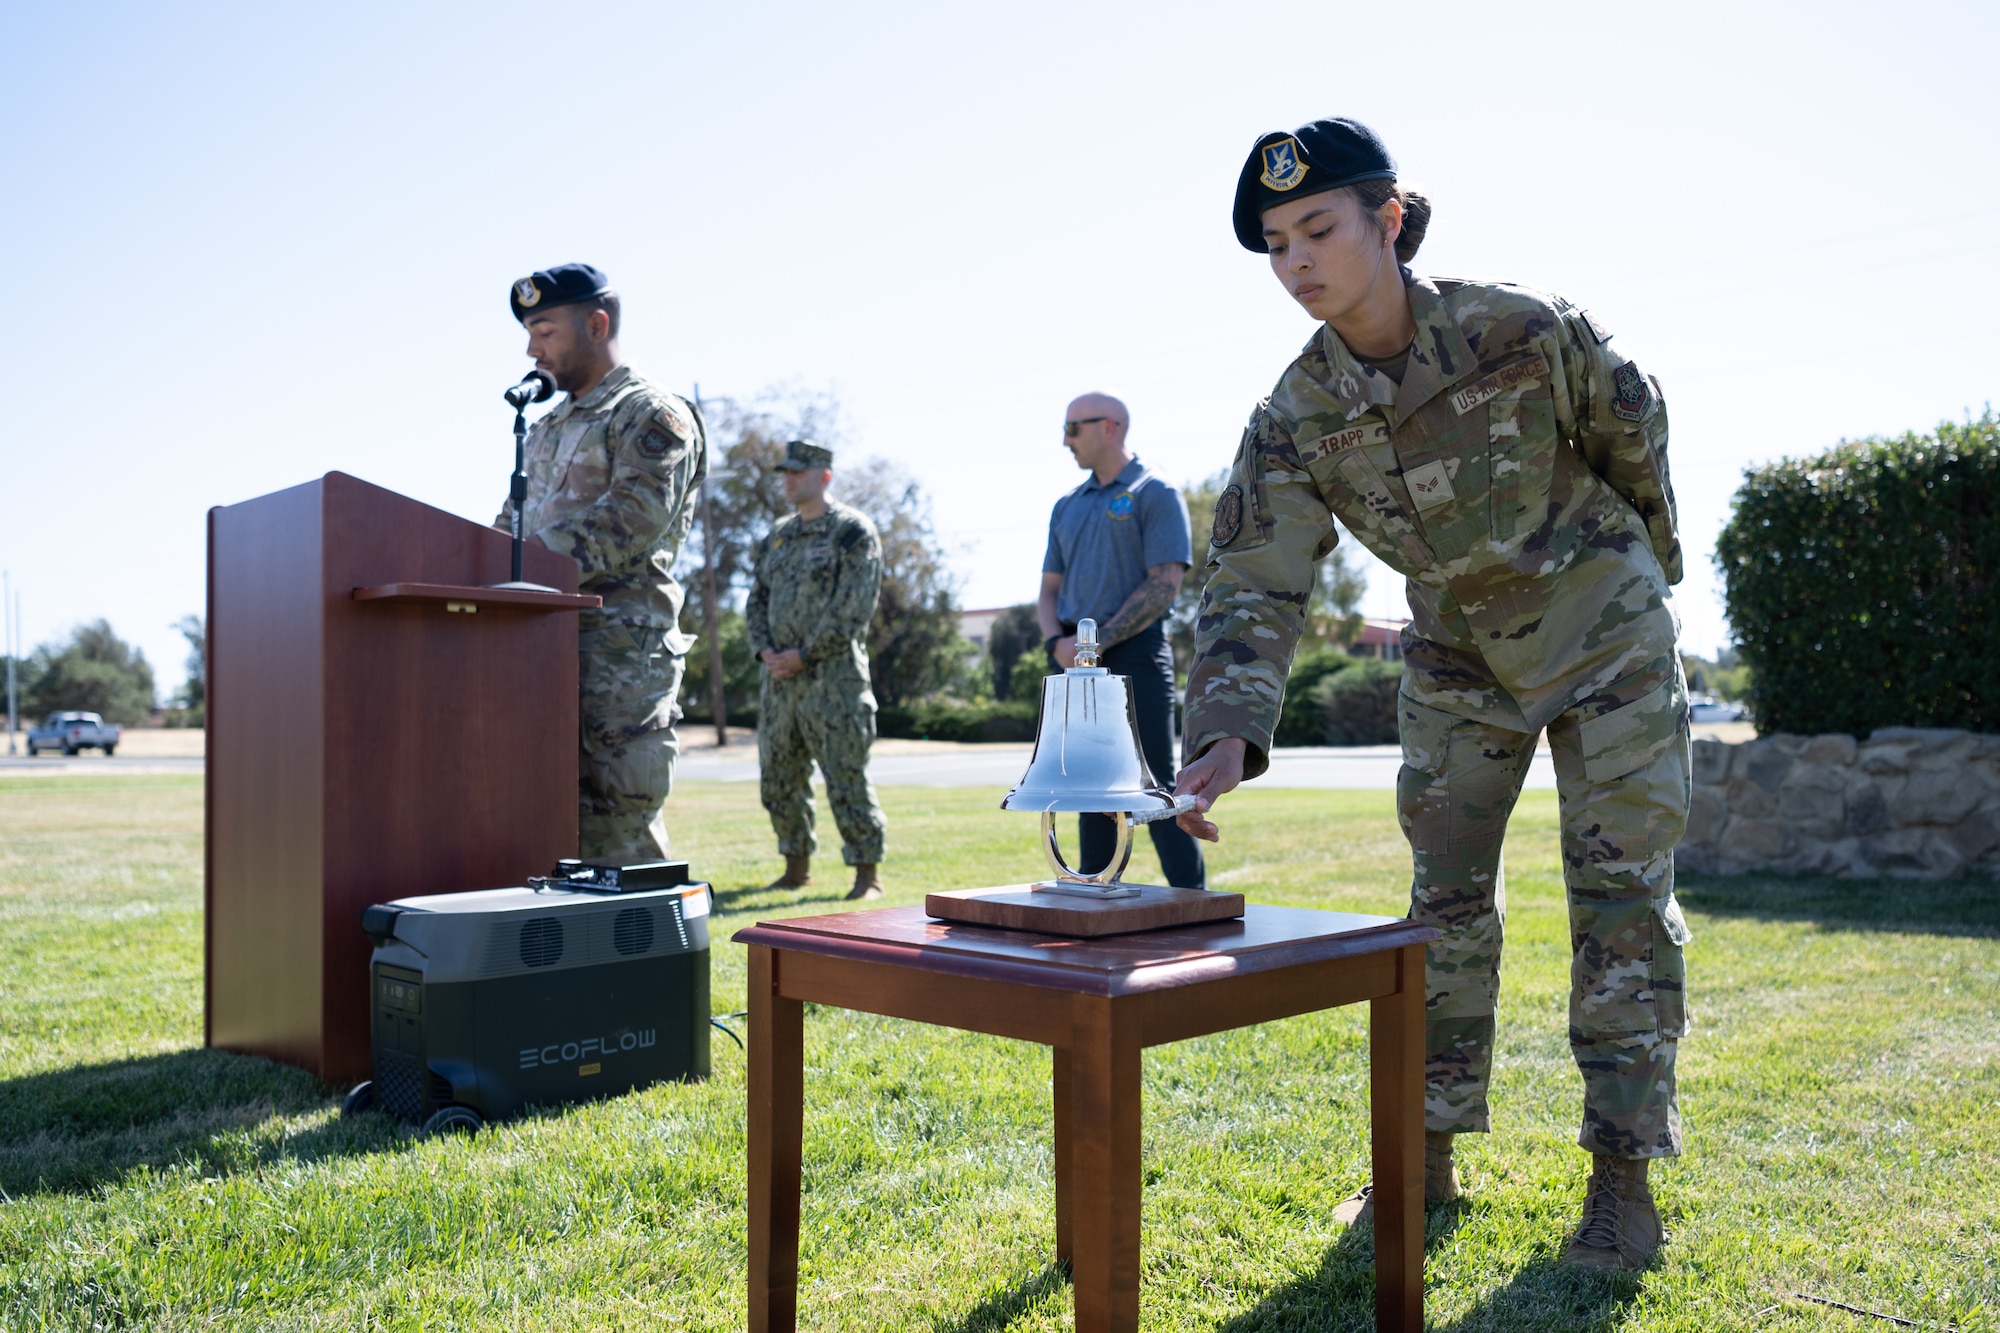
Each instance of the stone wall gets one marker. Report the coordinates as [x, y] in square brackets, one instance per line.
[1906, 802]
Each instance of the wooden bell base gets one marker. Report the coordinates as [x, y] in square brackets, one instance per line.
[1019, 907]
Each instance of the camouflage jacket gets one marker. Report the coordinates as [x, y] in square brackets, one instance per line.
[612, 479]
[1517, 478]
[815, 588]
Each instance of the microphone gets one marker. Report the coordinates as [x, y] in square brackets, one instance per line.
[537, 387]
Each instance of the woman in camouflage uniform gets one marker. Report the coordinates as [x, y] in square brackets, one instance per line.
[1490, 443]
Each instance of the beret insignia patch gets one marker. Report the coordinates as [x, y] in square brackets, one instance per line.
[1283, 167]
[1228, 517]
[1634, 394]
[656, 444]
[527, 293]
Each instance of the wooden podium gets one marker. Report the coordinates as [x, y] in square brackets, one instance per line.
[380, 724]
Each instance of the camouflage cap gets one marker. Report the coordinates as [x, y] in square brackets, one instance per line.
[803, 456]
[565, 284]
[1312, 159]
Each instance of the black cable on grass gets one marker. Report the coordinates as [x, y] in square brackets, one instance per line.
[718, 1023]
[1872, 1314]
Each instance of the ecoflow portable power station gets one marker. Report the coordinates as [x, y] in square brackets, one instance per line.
[589, 984]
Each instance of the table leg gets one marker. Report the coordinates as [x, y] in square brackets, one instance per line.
[1064, 1141]
[1396, 1126]
[777, 1095]
[1104, 1164]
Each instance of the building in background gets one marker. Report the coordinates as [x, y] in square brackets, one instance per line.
[1381, 639]
[976, 627]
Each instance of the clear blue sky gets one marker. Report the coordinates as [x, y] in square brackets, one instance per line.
[253, 243]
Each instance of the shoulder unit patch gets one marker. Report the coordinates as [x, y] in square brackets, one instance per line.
[1635, 396]
[1228, 516]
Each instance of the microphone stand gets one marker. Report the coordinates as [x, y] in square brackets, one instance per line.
[520, 484]
[518, 492]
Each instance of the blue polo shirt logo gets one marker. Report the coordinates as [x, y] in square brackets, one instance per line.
[1121, 506]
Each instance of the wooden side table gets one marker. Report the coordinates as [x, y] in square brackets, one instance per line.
[1097, 1002]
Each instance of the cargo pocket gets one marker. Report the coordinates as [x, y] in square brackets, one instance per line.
[1670, 937]
[1633, 735]
[1425, 734]
[1423, 791]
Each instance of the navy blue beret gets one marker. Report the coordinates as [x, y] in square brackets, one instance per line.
[1324, 155]
[565, 284]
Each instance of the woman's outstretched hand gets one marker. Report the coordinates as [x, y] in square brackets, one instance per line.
[1208, 779]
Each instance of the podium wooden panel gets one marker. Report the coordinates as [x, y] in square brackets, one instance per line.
[422, 739]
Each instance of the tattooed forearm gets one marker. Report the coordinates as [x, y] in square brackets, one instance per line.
[1148, 602]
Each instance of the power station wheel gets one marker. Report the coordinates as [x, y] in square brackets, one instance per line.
[454, 1120]
[361, 1097]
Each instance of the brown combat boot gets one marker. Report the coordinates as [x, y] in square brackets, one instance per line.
[867, 883]
[1440, 1183]
[798, 873]
[1621, 1227]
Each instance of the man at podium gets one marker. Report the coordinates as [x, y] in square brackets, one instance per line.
[612, 475]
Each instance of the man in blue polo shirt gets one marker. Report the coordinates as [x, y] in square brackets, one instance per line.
[1118, 550]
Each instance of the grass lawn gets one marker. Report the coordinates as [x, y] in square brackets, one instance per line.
[1841, 1097]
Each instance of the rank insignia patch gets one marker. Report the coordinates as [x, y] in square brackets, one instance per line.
[1635, 396]
[527, 293]
[1283, 169]
[1228, 517]
[1430, 485]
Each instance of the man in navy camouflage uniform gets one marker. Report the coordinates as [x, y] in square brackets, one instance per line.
[818, 573]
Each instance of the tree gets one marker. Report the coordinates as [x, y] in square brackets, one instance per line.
[95, 672]
[914, 647]
[913, 642]
[194, 695]
[740, 676]
[1016, 632]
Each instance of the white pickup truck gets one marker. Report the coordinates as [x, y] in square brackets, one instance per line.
[70, 732]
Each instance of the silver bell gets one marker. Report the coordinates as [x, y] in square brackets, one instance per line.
[1088, 760]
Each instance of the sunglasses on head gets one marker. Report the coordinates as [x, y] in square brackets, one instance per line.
[1070, 428]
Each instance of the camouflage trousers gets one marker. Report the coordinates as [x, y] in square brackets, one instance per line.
[1623, 783]
[832, 721]
[630, 686]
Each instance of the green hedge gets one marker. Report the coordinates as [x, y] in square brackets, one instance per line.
[1358, 707]
[1301, 718]
[1861, 584]
[1010, 720]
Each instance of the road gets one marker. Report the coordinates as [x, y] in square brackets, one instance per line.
[941, 764]
[896, 763]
